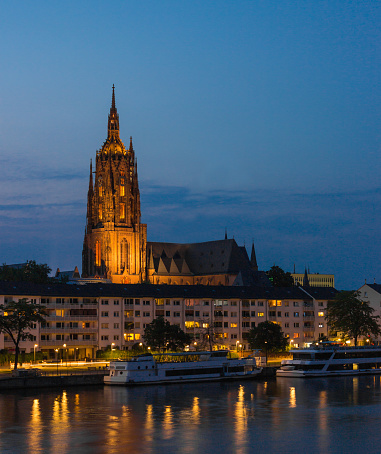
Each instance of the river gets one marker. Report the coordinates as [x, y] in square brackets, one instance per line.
[334, 415]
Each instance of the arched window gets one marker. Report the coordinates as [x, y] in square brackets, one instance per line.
[122, 211]
[100, 213]
[122, 184]
[98, 253]
[123, 255]
[100, 189]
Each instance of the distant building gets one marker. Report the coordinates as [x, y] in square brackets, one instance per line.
[314, 279]
[68, 276]
[372, 294]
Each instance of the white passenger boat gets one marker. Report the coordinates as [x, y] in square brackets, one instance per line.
[332, 360]
[179, 368]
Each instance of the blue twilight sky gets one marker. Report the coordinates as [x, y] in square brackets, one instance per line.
[259, 116]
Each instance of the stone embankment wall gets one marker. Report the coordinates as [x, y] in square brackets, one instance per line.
[51, 382]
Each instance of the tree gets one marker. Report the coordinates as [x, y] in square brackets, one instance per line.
[208, 331]
[18, 318]
[267, 336]
[351, 316]
[279, 278]
[160, 334]
[29, 272]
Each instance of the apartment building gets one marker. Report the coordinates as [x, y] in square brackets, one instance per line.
[82, 319]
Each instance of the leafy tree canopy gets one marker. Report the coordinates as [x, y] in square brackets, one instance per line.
[208, 335]
[267, 336]
[29, 272]
[18, 318]
[279, 278]
[351, 316]
[161, 335]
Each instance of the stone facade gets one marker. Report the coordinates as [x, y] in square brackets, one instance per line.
[114, 246]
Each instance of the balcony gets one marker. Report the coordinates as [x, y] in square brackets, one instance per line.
[71, 317]
[69, 330]
[69, 343]
[309, 317]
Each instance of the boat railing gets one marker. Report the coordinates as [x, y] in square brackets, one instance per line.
[344, 347]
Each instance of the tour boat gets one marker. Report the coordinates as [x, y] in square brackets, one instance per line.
[332, 360]
[180, 368]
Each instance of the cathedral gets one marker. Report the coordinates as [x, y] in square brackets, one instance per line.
[115, 246]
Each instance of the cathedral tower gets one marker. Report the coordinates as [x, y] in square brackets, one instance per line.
[115, 240]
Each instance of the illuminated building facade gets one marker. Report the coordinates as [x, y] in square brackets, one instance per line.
[91, 317]
[114, 246]
[314, 279]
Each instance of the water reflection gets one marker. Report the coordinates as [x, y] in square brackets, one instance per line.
[316, 415]
[240, 422]
[292, 397]
[35, 427]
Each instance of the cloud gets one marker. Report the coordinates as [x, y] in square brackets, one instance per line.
[329, 232]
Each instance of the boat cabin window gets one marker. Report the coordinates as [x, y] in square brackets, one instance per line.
[302, 355]
[324, 355]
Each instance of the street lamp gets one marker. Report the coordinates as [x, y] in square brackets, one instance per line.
[56, 350]
[64, 346]
[112, 346]
[34, 352]
[241, 347]
[266, 351]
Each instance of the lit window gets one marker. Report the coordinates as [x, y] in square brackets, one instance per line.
[98, 253]
[296, 335]
[261, 314]
[123, 255]
[122, 190]
[321, 314]
[233, 325]
[122, 211]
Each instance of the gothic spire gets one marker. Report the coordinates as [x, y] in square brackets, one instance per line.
[113, 118]
[306, 282]
[91, 176]
[113, 98]
[253, 259]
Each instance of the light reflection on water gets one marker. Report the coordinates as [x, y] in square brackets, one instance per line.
[317, 415]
